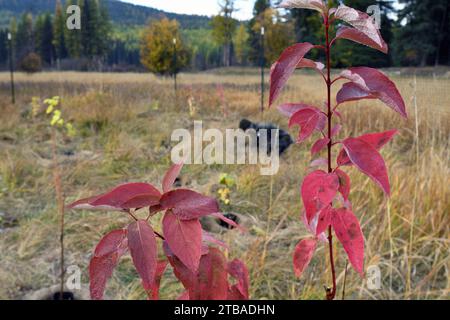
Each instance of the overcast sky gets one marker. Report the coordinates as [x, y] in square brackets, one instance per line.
[202, 7]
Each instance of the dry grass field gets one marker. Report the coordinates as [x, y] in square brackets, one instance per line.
[124, 123]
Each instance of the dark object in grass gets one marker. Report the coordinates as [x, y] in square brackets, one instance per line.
[284, 138]
[230, 216]
[177, 183]
[66, 296]
[69, 153]
[7, 221]
[53, 293]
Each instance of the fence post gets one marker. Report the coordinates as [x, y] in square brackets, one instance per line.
[11, 68]
[175, 65]
[262, 68]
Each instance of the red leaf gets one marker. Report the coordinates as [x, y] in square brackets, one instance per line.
[142, 244]
[368, 160]
[106, 256]
[141, 201]
[302, 255]
[212, 277]
[155, 209]
[288, 109]
[344, 183]
[160, 268]
[184, 296]
[352, 92]
[211, 280]
[319, 145]
[188, 204]
[285, 66]
[307, 63]
[239, 271]
[365, 32]
[312, 226]
[234, 293]
[184, 238]
[376, 140]
[349, 233]
[360, 37]
[324, 220]
[187, 277]
[318, 5]
[113, 242]
[228, 221]
[126, 196]
[318, 190]
[376, 84]
[321, 162]
[171, 176]
[206, 237]
[308, 119]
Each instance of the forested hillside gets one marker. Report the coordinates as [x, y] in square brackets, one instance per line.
[418, 33]
[119, 12]
[113, 34]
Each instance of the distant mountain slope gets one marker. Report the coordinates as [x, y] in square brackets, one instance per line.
[120, 12]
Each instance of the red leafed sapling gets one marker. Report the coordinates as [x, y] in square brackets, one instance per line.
[202, 269]
[325, 193]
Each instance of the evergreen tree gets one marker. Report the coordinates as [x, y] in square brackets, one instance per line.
[94, 30]
[254, 39]
[425, 37]
[3, 47]
[104, 30]
[13, 31]
[59, 25]
[89, 27]
[44, 38]
[72, 38]
[224, 27]
[24, 38]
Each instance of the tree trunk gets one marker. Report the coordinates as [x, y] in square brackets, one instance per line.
[440, 37]
[423, 62]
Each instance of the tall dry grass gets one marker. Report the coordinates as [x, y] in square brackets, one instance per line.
[124, 123]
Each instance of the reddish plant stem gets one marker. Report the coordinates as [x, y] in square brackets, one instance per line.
[132, 215]
[330, 293]
[60, 206]
[158, 235]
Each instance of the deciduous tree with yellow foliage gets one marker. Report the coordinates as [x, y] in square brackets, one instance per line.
[162, 48]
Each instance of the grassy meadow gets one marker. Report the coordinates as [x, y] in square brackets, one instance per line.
[124, 123]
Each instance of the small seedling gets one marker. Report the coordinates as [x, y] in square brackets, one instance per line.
[227, 182]
[57, 123]
[56, 119]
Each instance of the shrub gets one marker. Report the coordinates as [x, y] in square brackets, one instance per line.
[202, 269]
[31, 63]
[325, 192]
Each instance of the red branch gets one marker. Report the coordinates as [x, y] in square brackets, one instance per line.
[330, 294]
